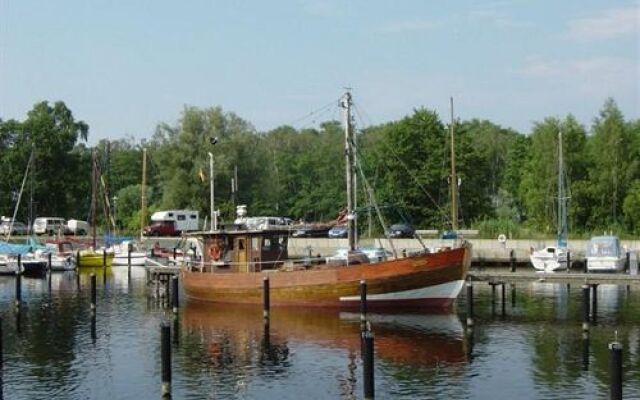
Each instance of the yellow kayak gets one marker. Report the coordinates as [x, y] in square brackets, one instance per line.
[92, 258]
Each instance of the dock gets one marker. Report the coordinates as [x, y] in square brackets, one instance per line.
[577, 278]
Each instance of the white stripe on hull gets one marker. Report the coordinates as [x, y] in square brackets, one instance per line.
[449, 290]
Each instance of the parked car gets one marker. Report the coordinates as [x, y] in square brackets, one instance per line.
[76, 227]
[310, 231]
[401, 230]
[161, 228]
[18, 228]
[338, 231]
[374, 254]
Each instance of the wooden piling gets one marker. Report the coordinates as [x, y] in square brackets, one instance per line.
[594, 302]
[585, 307]
[513, 294]
[93, 291]
[368, 365]
[104, 258]
[363, 300]
[615, 371]
[18, 288]
[174, 293]
[503, 298]
[512, 259]
[266, 301]
[165, 350]
[49, 261]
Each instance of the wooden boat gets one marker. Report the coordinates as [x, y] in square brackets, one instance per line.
[235, 260]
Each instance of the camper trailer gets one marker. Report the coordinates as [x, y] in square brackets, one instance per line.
[172, 223]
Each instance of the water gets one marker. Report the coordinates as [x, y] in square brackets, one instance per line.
[536, 351]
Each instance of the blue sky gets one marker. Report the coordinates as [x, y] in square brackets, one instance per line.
[124, 66]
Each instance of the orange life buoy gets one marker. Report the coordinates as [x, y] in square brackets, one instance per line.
[215, 252]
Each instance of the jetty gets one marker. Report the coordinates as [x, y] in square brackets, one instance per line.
[577, 278]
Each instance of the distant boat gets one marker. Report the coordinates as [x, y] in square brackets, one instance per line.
[94, 258]
[236, 259]
[554, 258]
[604, 254]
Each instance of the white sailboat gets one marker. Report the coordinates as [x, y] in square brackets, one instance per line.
[554, 258]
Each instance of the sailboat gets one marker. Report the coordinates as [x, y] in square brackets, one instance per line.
[235, 260]
[93, 257]
[554, 258]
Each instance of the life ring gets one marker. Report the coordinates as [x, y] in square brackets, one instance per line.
[215, 252]
[502, 238]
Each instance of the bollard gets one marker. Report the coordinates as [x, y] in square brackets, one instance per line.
[512, 259]
[18, 289]
[93, 291]
[93, 326]
[493, 298]
[367, 369]
[615, 370]
[129, 256]
[503, 298]
[585, 307]
[104, 258]
[513, 294]
[165, 350]
[568, 261]
[174, 293]
[363, 300]
[594, 302]
[49, 261]
[469, 304]
[265, 297]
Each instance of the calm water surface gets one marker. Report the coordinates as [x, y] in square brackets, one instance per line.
[535, 351]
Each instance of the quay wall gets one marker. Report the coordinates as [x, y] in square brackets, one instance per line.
[489, 250]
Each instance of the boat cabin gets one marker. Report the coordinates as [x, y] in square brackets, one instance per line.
[244, 250]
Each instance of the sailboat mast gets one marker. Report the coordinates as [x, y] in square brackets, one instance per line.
[143, 199]
[348, 151]
[94, 189]
[562, 205]
[454, 179]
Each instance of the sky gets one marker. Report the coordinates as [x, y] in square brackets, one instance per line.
[125, 66]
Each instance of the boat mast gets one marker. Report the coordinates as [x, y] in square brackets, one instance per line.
[562, 199]
[454, 179]
[143, 199]
[348, 151]
[94, 189]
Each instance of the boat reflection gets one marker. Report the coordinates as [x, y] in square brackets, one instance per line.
[415, 340]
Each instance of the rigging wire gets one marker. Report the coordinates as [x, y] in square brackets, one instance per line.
[410, 173]
[316, 111]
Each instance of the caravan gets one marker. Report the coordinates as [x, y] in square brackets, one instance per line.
[172, 223]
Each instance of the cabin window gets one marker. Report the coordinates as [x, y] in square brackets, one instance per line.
[241, 244]
[171, 214]
[255, 243]
[181, 218]
[192, 216]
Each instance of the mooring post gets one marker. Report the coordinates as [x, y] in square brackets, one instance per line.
[585, 269]
[469, 304]
[615, 370]
[363, 301]
[627, 263]
[512, 259]
[174, 293]
[513, 294]
[165, 350]
[18, 288]
[594, 302]
[129, 256]
[265, 297]
[585, 306]
[19, 264]
[503, 297]
[568, 260]
[77, 260]
[93, 291]
[49, 261]
[367, 370]
[175, 253]
[93, 326]
[493, 298]
[104, 258]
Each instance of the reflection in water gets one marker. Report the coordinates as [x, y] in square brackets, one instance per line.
[234, 340]
[55, 348]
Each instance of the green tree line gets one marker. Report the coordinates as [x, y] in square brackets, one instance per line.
[507, 179]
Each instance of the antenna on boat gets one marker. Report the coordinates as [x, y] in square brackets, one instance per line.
[345, 103]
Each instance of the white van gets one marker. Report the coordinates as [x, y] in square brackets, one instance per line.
[48, 225]
[76, 227]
